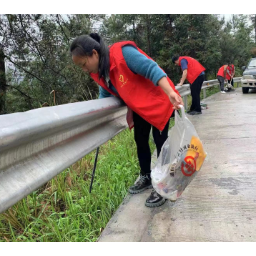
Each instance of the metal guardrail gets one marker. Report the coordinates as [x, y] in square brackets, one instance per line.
[184, 90]
[38, 144]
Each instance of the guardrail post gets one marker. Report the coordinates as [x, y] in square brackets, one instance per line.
[185, 102]
[204, 92]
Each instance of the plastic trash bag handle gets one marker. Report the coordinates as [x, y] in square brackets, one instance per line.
[183, 114]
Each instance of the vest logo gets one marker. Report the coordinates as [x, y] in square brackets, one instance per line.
[121, 79]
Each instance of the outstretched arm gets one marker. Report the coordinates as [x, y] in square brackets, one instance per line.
[229, 73]
[184, 76]
[175, 99]
[225, 72]
[234, 72]
[184, 68]
[140, 64]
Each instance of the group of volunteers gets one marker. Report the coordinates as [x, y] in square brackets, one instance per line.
[226, 73]
[123, 70]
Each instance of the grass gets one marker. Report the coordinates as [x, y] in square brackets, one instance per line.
[64, 210]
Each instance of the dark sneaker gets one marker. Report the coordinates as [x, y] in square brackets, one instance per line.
[194, 113]
[154, 200]
[189, 111]
[142, 184]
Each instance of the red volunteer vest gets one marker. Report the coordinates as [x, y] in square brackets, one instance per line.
[221, 71]
[231, 71]
[194, 68]
[140, 94]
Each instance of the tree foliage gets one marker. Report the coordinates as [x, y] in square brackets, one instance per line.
[35, 49]
[204, 37]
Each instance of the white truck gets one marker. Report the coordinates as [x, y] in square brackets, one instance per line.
[249, 76]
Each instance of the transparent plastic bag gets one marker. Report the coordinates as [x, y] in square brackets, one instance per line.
[182, 156]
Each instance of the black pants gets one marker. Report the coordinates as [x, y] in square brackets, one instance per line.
[232, 82]
[141, 135]
[195, 89]
[221, 81]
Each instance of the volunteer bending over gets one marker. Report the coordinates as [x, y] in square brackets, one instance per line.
[125, 71]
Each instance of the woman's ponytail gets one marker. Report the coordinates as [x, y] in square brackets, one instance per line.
[96, 37]
[104, 56]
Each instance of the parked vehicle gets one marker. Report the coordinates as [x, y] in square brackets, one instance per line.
[249, 76]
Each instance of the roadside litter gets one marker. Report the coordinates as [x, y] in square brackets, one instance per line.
[229, 87]
[203, 106]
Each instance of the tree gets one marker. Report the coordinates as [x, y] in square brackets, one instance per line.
[37, 47]
[2, 82]
[39, 66]
[236, 42]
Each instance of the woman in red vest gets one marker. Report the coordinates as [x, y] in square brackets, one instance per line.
[222, 77]
[231, 73]
[125, 71]
[193, 71]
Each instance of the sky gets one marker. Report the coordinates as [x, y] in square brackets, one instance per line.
[227, 16]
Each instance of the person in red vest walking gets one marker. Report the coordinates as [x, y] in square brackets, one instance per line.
[125, 71]
[193, 71]
[222, 77]
[230, 74]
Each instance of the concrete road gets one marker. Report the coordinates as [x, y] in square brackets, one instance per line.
[220, 203]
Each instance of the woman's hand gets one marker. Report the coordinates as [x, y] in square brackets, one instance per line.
[176, 100]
